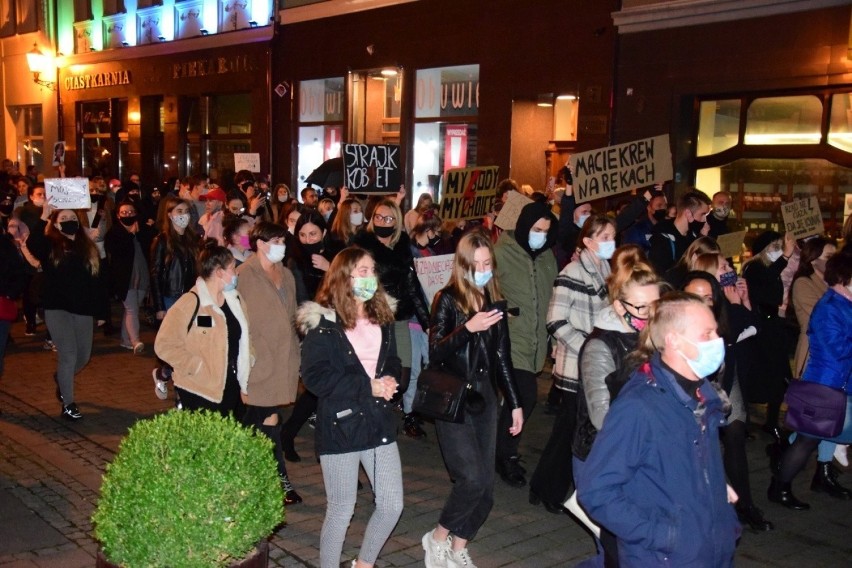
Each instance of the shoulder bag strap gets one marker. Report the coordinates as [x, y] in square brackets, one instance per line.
[195, 312]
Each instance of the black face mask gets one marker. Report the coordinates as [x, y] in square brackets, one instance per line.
[134, 196]
[314, 248]
[434, 241]
[660, 215]
[69, 227]
[696, 227]
[128, 221]
[383, 232]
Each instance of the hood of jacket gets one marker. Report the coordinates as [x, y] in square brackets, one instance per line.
[609, 320]
[310, 314]
[530, 214]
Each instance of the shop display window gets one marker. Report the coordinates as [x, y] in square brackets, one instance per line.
[719, 126]
[321, 115]
[29, 134]
[784, 120]
[840, 128]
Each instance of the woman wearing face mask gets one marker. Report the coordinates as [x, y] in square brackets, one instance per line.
[766, 291]
[350, 364]
[280, 197]
[172, 267]
[126, 244]
[348, 221]
[426, 236]
[603, 365]
[829, 364]
[326, 208]
[268, 289]
[579, 294]
[236, 230]
[73, 295]
[203, 324]
[391, 249]
[732, 319]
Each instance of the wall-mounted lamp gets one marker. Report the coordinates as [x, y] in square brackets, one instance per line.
[40, 63]
[204, 32]
[252, 24]
[161, 38]
[545, 100]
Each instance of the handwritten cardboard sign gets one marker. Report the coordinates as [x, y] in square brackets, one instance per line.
[68, 193]
[372, 168]
[508, 216]
[434, 273]
[616, 169]
[468, 193]
[731, 244]
[802, 218]
[249, 161]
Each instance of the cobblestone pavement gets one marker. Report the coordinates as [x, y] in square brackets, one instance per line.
[50, 476]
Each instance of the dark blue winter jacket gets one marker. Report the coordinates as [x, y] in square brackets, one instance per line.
[655, 478]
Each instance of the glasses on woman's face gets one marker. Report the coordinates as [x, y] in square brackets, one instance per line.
[386, 219]
[640, 310]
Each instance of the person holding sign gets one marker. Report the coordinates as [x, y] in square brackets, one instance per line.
[766, 292]
[671, 238]
[73, 295]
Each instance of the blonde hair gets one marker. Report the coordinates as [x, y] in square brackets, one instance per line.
[629, 268]
[397, 215]
[707, 262]
[466, 294]
[701, 245]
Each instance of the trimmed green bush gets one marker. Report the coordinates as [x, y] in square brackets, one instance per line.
[188, 489]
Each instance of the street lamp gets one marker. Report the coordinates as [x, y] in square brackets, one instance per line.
[40, 63]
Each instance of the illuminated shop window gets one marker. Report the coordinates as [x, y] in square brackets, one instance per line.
[840, 128]
[30, 136]
[719, 126]
[321, 115]
[784, 120]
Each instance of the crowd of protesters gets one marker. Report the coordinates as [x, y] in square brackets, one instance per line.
[657, 344]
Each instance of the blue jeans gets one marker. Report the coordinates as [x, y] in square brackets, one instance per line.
[419, 361]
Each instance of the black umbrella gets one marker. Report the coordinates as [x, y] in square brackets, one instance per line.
[328, 174]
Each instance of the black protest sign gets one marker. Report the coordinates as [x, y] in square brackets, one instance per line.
[372, 168]
[617, 169]
[468, 193]
[803, 218]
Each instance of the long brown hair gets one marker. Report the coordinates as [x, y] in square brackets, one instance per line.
[341, 228]
[467, 295]
[81, 245]
[188, 243]
[336, 292]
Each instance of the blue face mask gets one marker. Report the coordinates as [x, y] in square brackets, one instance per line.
[605, 250]
[537, 240]
[232, 285]
[728, 279]
[482, 278]
[710, 356]
[364, 287]
[582, 220]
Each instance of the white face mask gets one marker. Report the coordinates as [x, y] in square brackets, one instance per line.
[773, 255]
[276, 252]
[181, 221]
[38, 201]
[356, 219]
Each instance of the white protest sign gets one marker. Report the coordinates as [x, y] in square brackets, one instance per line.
[731, 244]
[802, 218]
[508, 216]
[250, 162]
[68, 193]
[617, 169]
[433, 273]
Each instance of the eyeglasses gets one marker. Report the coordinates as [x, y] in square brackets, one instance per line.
[387, 219]
[639, 309]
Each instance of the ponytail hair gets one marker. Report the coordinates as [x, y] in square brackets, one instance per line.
[630, 267]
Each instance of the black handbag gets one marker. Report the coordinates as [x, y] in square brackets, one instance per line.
[442, 395]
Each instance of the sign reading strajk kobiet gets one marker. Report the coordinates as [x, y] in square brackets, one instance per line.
[371, 168]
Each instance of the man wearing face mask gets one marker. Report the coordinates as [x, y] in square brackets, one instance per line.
[718, 217]
[671, 238]
[526, 269]
[30, 212]
[640, 232]
[654, 475]
[211, 221]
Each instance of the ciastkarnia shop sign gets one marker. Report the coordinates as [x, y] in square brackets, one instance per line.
[94, 80]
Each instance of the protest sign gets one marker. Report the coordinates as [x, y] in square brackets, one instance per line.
[68, 193]
[250, 162]
[802, 218]
[616, 169]
[371, 168]
[731, 244]
[433, 273]
[468, 193]
[508, 216]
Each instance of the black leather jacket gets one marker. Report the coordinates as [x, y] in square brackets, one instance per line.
[395, 270]
[171, 275]
[453, 348]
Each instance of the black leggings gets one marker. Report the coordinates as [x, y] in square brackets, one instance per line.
[305, 405]
[796, 457]
[736, 463]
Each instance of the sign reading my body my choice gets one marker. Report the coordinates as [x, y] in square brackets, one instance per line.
[371, 168]
[616, 169]
[468, 193]
[68, 193]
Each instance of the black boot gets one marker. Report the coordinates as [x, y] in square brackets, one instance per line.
[825, 480]
[412, 427]
[782, 494]
[753, 517]
[289, 448]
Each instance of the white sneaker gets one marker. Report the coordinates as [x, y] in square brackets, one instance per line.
[161, 388]
[459, 559]
[436, 552]
[840, 455]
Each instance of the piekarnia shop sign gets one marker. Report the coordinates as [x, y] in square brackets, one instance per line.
[107, 79]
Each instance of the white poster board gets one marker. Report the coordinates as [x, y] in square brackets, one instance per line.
[434, 273]
[803, 218]
[617, 169]
[250, 162]
[68, 193]
[508, 216]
